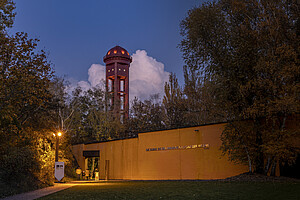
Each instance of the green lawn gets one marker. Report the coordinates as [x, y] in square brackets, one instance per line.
[180, 190]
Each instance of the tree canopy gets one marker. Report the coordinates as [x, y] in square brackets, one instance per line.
[26, 119]
[246, 54]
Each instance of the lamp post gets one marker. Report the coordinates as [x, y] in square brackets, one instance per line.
[57, 145]
[59, 166]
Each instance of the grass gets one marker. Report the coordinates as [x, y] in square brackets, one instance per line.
[181, 190]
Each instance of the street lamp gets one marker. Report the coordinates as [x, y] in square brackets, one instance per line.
[59, 166]
[57, 143]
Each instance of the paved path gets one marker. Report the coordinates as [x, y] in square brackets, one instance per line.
[41, 192]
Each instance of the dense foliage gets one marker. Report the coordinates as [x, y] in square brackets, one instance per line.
[91, 120]
[27, 109]
[245, 55]
[25, 151]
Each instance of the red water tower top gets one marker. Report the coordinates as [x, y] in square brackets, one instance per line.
[119, 52]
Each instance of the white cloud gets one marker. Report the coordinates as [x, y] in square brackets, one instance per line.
[96, 74]
[146, 76]
[84, 85]
[96, 78]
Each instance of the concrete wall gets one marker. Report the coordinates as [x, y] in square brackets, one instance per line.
[187, 153]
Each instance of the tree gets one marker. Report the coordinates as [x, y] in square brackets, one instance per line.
[240, 142]
[174, 104]
[25, 117]
[147, 115]
[62, 111]
[6, 15]
[249, 53]
[61, 99]
[90, 120]
[200, 101]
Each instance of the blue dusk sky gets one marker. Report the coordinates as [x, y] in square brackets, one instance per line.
[77, 34]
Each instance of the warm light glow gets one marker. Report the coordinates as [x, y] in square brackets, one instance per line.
[108, 53]
[127, 53]
[59, 133]
[123, 52]
[54, 134]
[115, 51]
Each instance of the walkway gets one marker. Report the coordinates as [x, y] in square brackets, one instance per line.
[41, 192]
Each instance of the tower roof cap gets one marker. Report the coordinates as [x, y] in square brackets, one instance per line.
[117, 51]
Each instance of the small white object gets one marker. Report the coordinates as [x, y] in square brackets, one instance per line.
[59, 170]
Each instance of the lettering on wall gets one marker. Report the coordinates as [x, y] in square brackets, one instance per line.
[204, 146]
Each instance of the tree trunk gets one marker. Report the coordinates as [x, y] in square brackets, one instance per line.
[249, 159]
[249, 162]
[267, 167]
[259, 162]
[273, 169]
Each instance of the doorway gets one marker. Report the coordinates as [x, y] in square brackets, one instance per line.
[92, 163]
[91, 166]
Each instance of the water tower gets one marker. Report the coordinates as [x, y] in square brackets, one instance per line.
[117, 62]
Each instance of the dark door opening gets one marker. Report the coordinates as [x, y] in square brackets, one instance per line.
[92, 163]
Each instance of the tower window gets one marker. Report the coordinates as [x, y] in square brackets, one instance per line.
[108, 53]
[111, 104]
[121, 86]
[108, 70]
[115, 51]
[122, 102]
[124, 70]
[112, 70]
[119, 69]
[122, 119]
[110, 85]
[127, 53]
[123, 52]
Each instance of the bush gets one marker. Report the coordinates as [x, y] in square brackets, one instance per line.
[19, 164]
[28, 166]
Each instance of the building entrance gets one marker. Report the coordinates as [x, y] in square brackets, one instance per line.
[92, 163]
[92, 166]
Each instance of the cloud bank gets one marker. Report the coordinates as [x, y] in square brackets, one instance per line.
[147, 76]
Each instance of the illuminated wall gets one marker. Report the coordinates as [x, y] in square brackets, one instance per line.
[186, 153]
